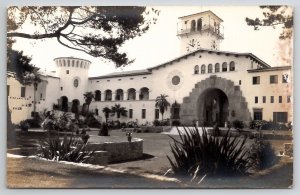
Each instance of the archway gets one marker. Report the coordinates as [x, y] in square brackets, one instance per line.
[223, 94]
[75, 106]
[64, 103]
[213, 107]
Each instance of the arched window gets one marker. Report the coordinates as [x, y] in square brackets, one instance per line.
[144, 93]
[224, 67]
[217, 67]
[210, 68]
[232, 66]
[131, 94]
[196, 69]
[199, 24]
[203, 69]
[108, 95]
[193, 25]
[97, 95]
[119, 94]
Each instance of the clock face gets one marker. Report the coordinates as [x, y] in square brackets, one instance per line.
[175, 80]
[192, 45]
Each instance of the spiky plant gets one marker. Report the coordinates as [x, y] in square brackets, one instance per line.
[197, 155]
[70, 149]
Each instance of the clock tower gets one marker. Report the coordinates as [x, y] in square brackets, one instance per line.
[200, 30]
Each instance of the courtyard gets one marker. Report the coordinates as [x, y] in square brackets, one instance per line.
[145, 172]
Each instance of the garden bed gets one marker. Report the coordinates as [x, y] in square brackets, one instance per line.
[118, 149]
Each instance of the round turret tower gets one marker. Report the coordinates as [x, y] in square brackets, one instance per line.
[73, 74]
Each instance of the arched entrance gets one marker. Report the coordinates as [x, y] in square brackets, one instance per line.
[75, 106]
[214, 99]
[64, 103]
[213, 107]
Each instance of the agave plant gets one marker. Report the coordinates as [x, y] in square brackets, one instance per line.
[70, 149]
[197, 155]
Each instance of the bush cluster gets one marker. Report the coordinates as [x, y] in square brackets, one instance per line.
[268, 125]
[165, 122]
[237, 124]
[261, 154]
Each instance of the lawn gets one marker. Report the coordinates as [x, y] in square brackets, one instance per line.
[155, 147]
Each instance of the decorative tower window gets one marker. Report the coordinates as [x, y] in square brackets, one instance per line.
[76, 83]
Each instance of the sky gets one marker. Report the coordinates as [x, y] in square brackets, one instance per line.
[160, 43]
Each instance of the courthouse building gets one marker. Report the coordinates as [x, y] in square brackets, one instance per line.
[203, 84]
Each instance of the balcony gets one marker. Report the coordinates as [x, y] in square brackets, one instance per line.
[219, 32]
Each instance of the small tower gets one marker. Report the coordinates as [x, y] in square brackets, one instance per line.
[73, 74]
[200, 30]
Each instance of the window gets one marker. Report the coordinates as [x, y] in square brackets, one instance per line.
[76, 83]
[285, 78]
[41, 96]
[210, 68]
[196, 69]
[199, 24]
[108, 95]
[280, 99]
[130, 113]
[61, 88]
[280, 117]
[193, 25]
[257, 114]
[7, 89]
[131, 94]
[288, 99]
[240, 82]
[224, 67]
[23, 91]
[217, 67]
[264, 99]
[272, 99]
[256, 99]
[97, 95]
[203, 69]
[67, 72]
[273, 79]
[256, 80]
[156, 113]
[143, 113]
[232, 66]
[119, 94]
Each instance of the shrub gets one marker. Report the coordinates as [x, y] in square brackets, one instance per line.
[156, 122]
[66, 149]
[262, 154]
[123, 125]
[198, 155]
[176, 123]
[237, 124]
[24, 125]
[268, 125]
[91, 121]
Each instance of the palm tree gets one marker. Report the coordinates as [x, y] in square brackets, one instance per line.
[33, 78]
[106, 111]
[88, 96]
[162, 104]
[117, 109]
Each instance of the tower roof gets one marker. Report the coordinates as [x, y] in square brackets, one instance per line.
[202, 13]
